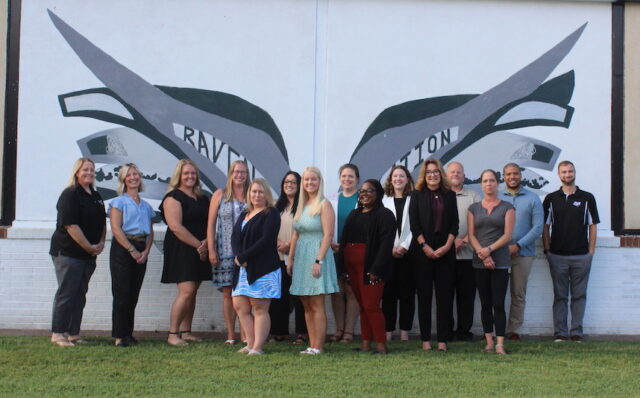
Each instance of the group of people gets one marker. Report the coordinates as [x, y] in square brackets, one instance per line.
[371, 248]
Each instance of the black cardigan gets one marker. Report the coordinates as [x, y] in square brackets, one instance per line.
[256, 244]
[420, 215]
[379, 244]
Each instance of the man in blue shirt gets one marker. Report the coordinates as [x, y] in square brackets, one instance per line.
[529, 220]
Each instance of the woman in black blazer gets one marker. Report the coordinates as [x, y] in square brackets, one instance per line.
[433, 216]
[257, 277]
[365, 251]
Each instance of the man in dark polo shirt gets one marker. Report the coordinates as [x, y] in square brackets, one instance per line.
[573, 217]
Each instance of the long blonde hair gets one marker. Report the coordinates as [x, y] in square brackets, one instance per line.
[122, 175]
[77, 165]
[228, 190]
[316, 205]
[268, 197]
[177, 173]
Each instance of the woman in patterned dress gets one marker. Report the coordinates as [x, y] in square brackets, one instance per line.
[257, 275]
[313, 272]
[224, 211]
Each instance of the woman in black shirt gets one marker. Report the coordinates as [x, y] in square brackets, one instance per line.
[433, 214]
[365, 249]
[75, 244]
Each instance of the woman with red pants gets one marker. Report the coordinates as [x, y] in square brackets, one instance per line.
[365, 249]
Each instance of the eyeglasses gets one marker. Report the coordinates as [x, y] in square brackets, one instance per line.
[239, 172]
[292, 182]
[366, 191]
[433, 172]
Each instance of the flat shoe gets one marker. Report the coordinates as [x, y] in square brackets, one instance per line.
[347, 337]
[131, 340]
[77, 340]
[62, 342]
[254, 352]
[244, 350]
[122, 343]
[230, 342]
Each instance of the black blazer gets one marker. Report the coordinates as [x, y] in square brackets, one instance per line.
[379, 244]
[256, 244]
[420, 215]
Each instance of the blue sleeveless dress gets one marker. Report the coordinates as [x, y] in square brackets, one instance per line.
[309, 230]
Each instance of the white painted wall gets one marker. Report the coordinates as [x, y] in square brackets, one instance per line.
[323, 69]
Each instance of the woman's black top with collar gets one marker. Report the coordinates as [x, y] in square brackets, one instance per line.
[380, 235]
[86, 210]
[256, 244]
[420, 216]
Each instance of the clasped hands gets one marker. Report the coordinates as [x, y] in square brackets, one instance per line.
[485, 255]
[435, 254]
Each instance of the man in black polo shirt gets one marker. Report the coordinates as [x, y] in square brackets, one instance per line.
[572, 215]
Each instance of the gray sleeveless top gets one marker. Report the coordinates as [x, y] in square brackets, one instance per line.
[489, 228]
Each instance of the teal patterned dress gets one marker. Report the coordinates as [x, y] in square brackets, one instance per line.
[309, 230]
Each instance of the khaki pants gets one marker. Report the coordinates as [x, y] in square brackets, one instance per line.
[520, 270]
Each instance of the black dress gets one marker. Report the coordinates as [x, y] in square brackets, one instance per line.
[181, 261]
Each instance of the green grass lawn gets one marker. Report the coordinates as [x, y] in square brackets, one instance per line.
[33, 367]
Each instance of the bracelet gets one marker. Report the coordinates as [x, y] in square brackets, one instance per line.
[130, 249]
[490, 248]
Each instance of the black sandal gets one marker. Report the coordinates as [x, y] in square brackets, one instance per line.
[181, 343]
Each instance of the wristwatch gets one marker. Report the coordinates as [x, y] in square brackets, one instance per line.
[423, 244]
[319, 261]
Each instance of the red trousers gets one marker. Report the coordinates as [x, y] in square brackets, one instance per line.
[372, 325]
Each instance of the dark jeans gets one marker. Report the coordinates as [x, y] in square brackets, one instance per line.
[399, 289]
[73, 276]
[440, 272]
[492, 289]
[465, 293]
[280, 309]
[126, 280]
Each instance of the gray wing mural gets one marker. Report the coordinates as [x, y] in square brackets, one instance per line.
[462, 126]
[186, 122]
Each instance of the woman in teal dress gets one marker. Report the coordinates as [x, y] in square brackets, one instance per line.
[313, 272]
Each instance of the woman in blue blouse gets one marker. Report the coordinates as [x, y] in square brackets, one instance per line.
[133, 235]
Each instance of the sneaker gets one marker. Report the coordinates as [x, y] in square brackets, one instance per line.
[559, 339]
[577, 339]
[311, 351]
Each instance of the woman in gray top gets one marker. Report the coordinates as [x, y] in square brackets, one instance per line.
[490, 223]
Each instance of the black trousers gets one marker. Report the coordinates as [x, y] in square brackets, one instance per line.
[427, 273]
[465, 295]
[280, 309]
[126, 281]
[400, 290]
[492, 289]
